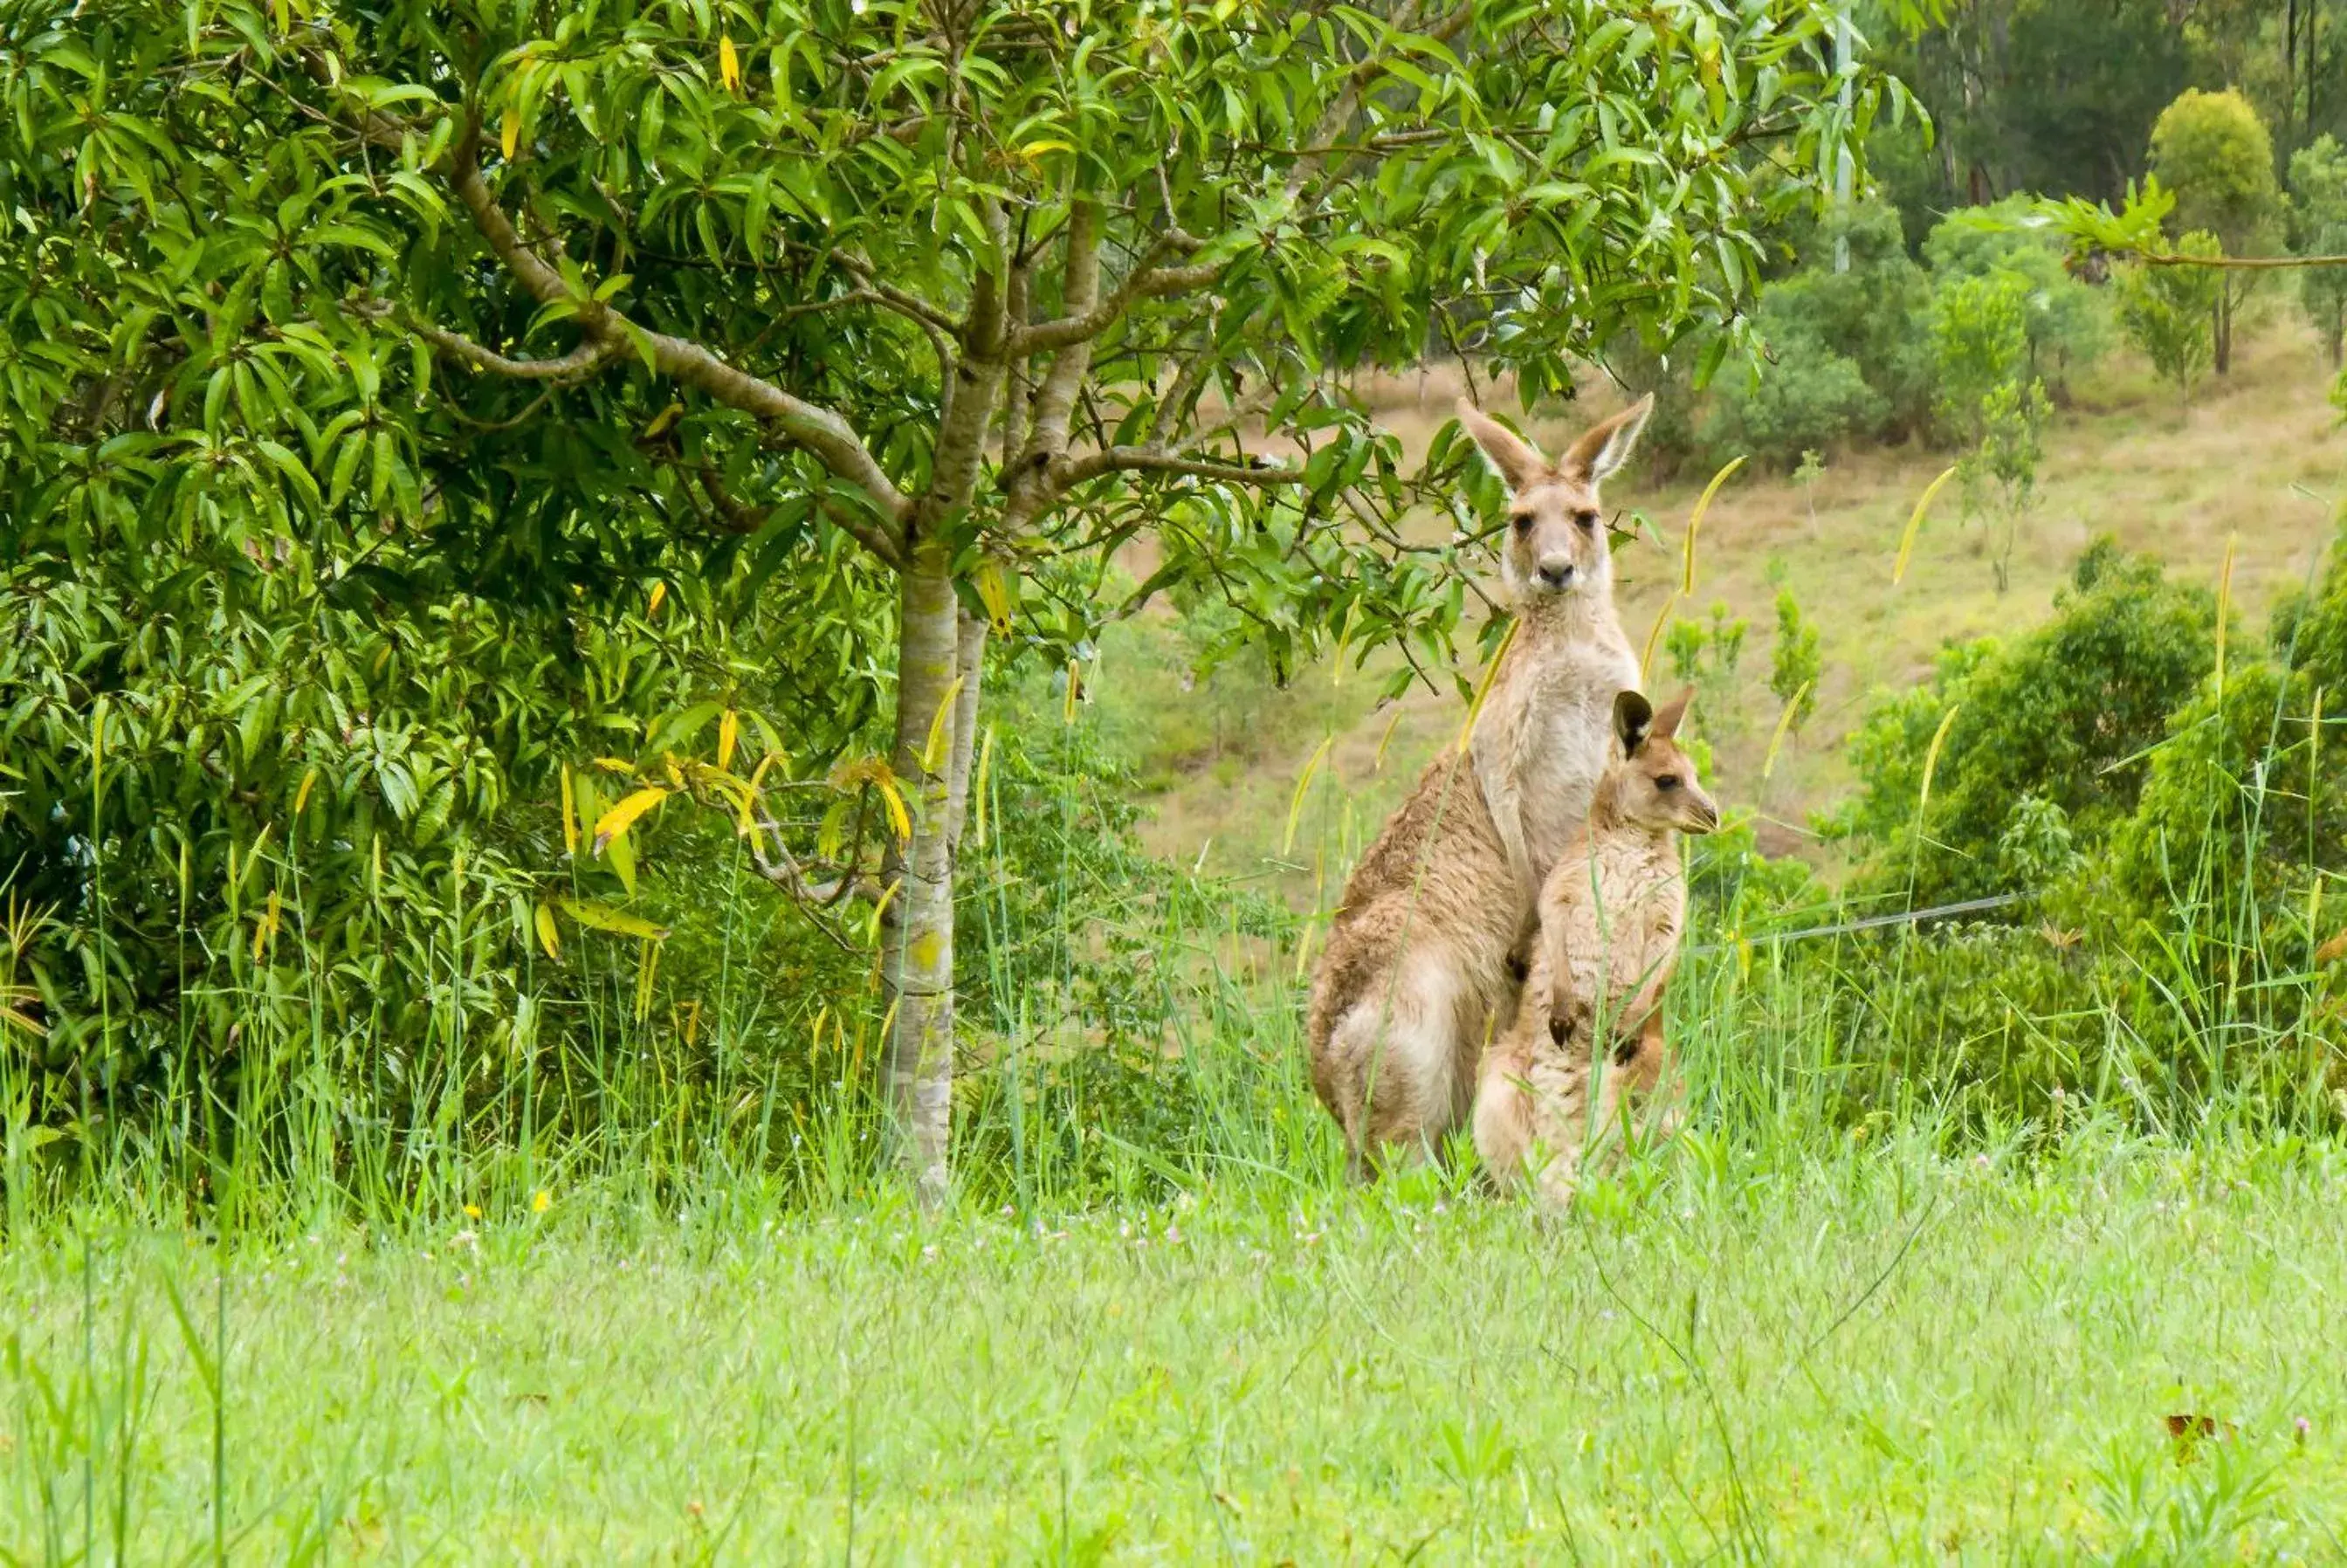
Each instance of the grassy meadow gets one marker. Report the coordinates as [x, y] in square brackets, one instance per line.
[1760, 1352]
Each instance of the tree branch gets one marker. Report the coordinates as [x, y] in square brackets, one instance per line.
[1147, 280]
[832, 440]
[579, 363]
[1070, 472]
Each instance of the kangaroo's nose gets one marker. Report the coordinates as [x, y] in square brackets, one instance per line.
[1556, 574]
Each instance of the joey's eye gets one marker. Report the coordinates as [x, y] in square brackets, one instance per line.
[1667, 782]
[1588, 520]
[1522, 520]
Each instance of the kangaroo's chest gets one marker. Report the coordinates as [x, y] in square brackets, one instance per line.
[1623, 912]
[1566, 729]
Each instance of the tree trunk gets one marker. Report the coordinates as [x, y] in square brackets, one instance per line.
[969, 665]
[921, 955]
[2225, 331]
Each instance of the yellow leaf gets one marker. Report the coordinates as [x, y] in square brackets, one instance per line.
[933, 753]
[994, 593]
[1662, 618]
[569, 815]
[660, 591]
[265, 929]
[899, 820]
[547, 937]
[614, 765]
[1303, 783]
[1784, 723]
[1475, 708]
[1915, 523]
[875, 773]
[603, 917]
[301, 795]
[1386, 740]
[977, 787]
[729, 65]
[510, 138]
[1035, 150]
[729, 735]
[1075, 690]
[1694, 521]
[663, 419]
[1931, 757]
[622, 817]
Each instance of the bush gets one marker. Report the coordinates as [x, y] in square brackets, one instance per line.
[1980, 345]
[2060, 718]
[1809, 397]
[2212, 150]
[1848, 354]
[2065, 323]
[2170, 312]
[2318, 183]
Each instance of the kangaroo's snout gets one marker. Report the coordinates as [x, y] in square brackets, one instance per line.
[1555, 576]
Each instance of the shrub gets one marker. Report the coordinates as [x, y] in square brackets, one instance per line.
[1795, 663]
[1810, 397]
[2170, 312]
[2318, 183]
[1980, 345]
[2212, 150]
[1849, 356]
[2067, 323]
[2061, 717]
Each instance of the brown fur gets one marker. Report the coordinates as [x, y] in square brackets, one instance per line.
[1416, 974]
[1609, 918]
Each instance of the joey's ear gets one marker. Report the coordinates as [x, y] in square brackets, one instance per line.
[1632, 715]
[1512, 457]
[1667, 717]
[1608, 445]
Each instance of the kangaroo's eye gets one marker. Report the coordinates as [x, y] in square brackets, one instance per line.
[1524, 522]
[1667, 782]
[1588, 520]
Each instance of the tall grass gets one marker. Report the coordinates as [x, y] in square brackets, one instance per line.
[1186, 1071]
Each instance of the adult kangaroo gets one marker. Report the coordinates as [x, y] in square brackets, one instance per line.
[1417, 973]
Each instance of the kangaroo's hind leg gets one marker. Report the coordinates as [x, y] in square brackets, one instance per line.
[1397, 1041]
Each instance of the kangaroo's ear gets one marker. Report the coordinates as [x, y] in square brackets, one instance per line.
[1632, 716]
[1667, 717]
[1608, 445]
[1511, 456]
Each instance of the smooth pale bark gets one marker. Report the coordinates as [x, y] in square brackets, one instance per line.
[931, 713]
[921, 1044]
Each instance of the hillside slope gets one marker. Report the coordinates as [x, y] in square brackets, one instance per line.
[2260, 455]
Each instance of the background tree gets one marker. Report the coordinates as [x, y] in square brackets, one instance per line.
[2170, 312]
[939, 303]
[1794, 662]
[2318, 188]
[2212, 151]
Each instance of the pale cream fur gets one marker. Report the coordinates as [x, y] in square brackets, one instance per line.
[1417, 974]
[1610, 917]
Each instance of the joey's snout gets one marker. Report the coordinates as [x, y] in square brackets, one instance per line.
[1700, 815]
